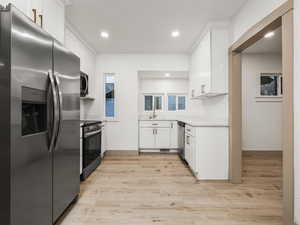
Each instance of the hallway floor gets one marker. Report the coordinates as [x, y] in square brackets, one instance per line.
[159, 189]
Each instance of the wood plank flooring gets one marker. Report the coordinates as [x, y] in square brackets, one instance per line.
[159, 189]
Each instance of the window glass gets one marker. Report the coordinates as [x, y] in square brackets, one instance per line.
[181, 103]
[148, 102]
[172, 103]
[158, 102]
[109, 95]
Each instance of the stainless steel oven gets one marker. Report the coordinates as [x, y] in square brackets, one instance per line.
[91, 153]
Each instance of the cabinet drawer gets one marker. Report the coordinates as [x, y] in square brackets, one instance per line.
[154, 124]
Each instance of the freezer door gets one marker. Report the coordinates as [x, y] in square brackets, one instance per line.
[31, 160]
[66, 154]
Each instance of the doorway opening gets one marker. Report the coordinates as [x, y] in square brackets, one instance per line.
[262, 91]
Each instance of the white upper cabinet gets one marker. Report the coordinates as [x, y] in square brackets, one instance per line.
[54, 18]
[20, 4]
[209, 64]
[49, 14]
[35, 10]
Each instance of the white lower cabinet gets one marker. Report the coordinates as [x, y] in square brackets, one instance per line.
[206, 152]
[187, 149]
[174, 135]
[158, 135]
[162, 138]
[190, 150]
[147, 138]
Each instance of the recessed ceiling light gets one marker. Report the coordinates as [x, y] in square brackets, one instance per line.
[269, 34]
[104, 34]
[167, 74]
[175, 33]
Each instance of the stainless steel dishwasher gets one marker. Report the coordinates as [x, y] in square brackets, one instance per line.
[181, 139]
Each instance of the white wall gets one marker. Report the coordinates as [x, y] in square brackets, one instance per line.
[123, 134]
[250, 14]
[262, 121]
[297, 108]
[161, 86]
[87, 57]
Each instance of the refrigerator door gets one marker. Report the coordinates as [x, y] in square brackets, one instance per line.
[66, 155]
[31, 160]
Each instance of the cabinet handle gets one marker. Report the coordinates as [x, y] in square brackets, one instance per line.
[42, 20]
[171, 125]
[154, 124]
[34, 15]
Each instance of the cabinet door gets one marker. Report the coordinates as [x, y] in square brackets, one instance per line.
[54, 19]
[22, 5]
[174, 135]
[35, 5]
[147, 138]
[162, 138]
[200, 78]
[193, 156]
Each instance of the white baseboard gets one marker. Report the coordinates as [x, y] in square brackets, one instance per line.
[158, 151]
[121, 153]
[120, 149]
[262, 149]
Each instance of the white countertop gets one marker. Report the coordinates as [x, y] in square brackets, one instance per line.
[192, 121]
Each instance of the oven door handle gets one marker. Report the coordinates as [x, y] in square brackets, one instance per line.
[92, 133]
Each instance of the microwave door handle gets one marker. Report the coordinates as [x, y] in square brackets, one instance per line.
[86, 85]
[60, 102]
[52, 95]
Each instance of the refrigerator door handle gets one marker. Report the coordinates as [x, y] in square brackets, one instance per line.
[52, 95]
[60, 102]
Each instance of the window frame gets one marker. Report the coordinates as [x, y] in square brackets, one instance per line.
[153, 96]
[108, 118]
[177, 95]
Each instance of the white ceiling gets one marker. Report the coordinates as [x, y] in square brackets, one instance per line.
[144, 26]
[267, 45]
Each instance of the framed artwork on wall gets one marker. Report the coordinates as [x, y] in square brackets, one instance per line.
[270, 87]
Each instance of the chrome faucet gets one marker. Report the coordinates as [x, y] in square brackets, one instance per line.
[153, 112]
[154, 115]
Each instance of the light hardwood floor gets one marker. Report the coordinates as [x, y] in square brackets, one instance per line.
[159, 189]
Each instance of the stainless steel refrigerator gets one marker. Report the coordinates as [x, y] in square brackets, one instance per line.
[39, 121]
